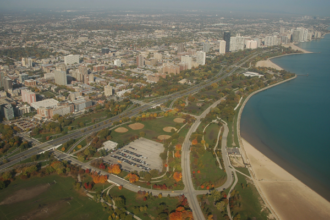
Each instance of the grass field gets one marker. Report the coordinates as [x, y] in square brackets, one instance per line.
[243, 170]
[211, 134]
[209, 171]
[250, 201]
[58, 201]
[83, 143]
[209, 209]
[152, 128]
[133, 199]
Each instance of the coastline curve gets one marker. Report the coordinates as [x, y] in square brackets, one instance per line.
[241, 146]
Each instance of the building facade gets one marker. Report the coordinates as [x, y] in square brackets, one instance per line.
[71, 59]
[200, 57]
[226, 38]
[222, 47]
[28, 96]
[60, 78]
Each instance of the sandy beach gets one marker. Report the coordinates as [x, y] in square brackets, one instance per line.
[294, 47]
[286, 195]
[269, 64]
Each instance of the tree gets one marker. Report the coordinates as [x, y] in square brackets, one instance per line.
[2, 185]
[115, 169]
[160, 195]
[220, 206]
[147, 177]
[34, 158]
[177, 176]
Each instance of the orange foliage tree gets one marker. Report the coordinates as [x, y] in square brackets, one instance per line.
[181, 214]
[177, 154]
[133, 177]
[99, 178]
[194, 142]
[178, 147]
[177, 176]
[115, 169]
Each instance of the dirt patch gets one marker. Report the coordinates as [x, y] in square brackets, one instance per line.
[179, 120]
[237, 161]
[46, 210]
[169, 129]
[121, 130]
[25, 194]
[164, 137]
[136, 126]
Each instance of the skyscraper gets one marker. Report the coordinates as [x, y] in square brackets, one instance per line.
[206, 47]
[226, 37]
[140, 60]
[2, 79]
[200, 57]
[60, 78]
[237, 43]
[180, 48]
[222, 47]
[187, 60]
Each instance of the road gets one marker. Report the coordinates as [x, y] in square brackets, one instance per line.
[189, 190]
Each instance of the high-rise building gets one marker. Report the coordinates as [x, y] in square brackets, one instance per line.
[158, 56]
[237, 43]
[8, 112]
[187, 59]
[108, 90]
[140, 60]
[295, 36]
[28, 96]
[200, 57]
[117, 62]
[91, 78]
[180, 47]
[83, 69]
[29, 62]
[60, 78]
[251, 44]
[23, 77]
[2, 79]
[105, 50]
[71, 59]
[8, 84]
[222, 47]
[282, 30]
[206, 47]
[226, 37]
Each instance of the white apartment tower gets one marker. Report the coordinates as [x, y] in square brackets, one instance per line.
[60, 78]
[108, 90]
[187, 60]
[200, 57]
[222, 47]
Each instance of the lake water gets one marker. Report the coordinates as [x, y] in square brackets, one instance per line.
[290, 123]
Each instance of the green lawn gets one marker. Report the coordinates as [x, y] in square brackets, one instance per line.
[250, 201]
[243, 170]
[83, 143]
[153, 128]
[60, 200]
[210, 173]
[209, 208]
[211, 134]
[133, 199]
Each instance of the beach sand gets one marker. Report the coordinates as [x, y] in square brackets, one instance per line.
[286, 195]
[294, 47]
[268, 63]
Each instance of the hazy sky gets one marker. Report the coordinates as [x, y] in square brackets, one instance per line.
[307, 7]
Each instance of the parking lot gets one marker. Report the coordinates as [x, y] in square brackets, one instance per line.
[141, 155]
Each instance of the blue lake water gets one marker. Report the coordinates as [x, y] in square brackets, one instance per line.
[290, 122]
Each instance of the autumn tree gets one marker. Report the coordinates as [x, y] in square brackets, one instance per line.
[114, 169]
[177, 176]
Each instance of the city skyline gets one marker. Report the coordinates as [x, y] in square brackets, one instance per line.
[313, 8]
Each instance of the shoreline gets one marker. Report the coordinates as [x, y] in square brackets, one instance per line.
[285, 195]
[270, 64]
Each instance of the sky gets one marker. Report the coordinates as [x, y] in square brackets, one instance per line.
[300, 7]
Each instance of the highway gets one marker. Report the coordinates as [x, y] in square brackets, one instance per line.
[189, 190]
